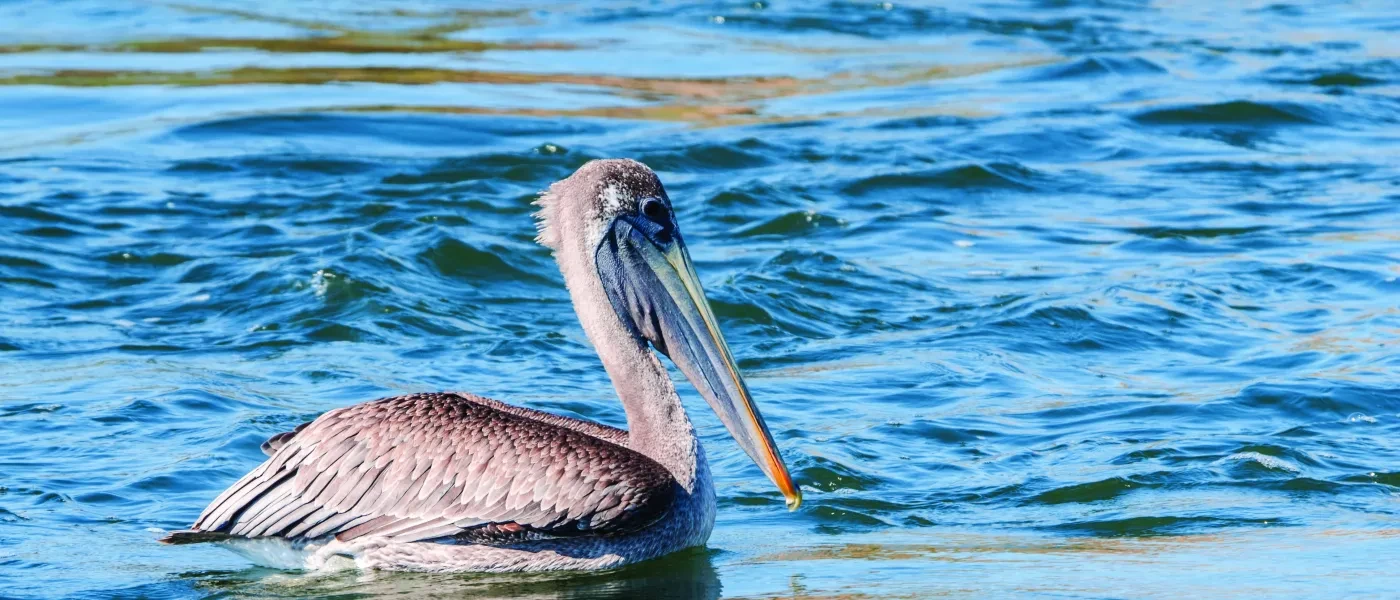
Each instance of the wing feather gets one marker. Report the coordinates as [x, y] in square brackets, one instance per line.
[321, 515]
[430, 466]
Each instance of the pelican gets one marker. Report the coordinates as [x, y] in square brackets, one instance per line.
[453, 482]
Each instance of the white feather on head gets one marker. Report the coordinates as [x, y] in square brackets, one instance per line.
[576, 209]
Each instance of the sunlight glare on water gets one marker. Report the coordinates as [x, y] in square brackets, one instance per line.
[1057, 298]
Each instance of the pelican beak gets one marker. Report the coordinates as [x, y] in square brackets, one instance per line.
[653, 287]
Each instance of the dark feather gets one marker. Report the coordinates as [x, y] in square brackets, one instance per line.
[275, 443]
[191, 536]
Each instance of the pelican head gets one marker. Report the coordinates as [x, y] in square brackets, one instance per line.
[612, 223]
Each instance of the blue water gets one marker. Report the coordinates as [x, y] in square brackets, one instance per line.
[1071, 299]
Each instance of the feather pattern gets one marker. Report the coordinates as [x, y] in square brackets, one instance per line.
[430, 466]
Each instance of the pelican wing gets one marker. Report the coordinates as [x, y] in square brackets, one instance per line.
[430, 466]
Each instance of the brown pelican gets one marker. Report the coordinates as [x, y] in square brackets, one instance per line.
[457, 482]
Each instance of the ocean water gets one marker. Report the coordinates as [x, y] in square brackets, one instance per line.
[1058, 298]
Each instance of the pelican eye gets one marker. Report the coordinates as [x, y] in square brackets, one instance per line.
[656, 211]
[659, 214]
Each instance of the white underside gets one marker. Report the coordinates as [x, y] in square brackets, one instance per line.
[278, 553]
[329, 554]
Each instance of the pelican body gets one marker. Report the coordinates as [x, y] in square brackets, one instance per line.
[454, 482]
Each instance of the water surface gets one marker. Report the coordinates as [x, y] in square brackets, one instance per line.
[1063, 299]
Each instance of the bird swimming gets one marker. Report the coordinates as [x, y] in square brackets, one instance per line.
[453, 482]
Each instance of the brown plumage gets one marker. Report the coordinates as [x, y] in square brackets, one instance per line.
[431, 466]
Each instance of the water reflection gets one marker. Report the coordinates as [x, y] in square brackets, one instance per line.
[683, 576]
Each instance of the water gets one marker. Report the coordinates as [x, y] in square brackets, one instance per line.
[1062, 299]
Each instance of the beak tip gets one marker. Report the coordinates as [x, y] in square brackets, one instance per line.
[794, 501]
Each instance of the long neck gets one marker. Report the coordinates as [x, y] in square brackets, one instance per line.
[657, 425]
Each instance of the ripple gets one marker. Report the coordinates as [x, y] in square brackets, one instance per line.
[1098, 66]
[746, 153]
[1263, 461]
[20, 262]
[456, 259]
[1389, 479]
[1238, 112]
[994, 176]
[1311, 403]
[792, 224]
[1303, 486]
[28, 409]
[336, 287]
[419, 130]
[37, 215]
[831, 476]
[1159, 233]
[51, 232]
[287, 167]
[1364, 74]
[836, 520]
[336, 332]
[487, 168]
[158, 259]
[1156, 526]
[1095, 491]
[1344, 79]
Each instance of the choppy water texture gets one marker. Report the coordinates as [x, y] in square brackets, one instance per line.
[1059, 298]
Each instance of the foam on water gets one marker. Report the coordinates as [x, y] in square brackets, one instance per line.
[1264, 460]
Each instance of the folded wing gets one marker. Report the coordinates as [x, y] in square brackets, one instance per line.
[430, 466]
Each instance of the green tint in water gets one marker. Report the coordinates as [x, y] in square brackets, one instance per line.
[1051, 299]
